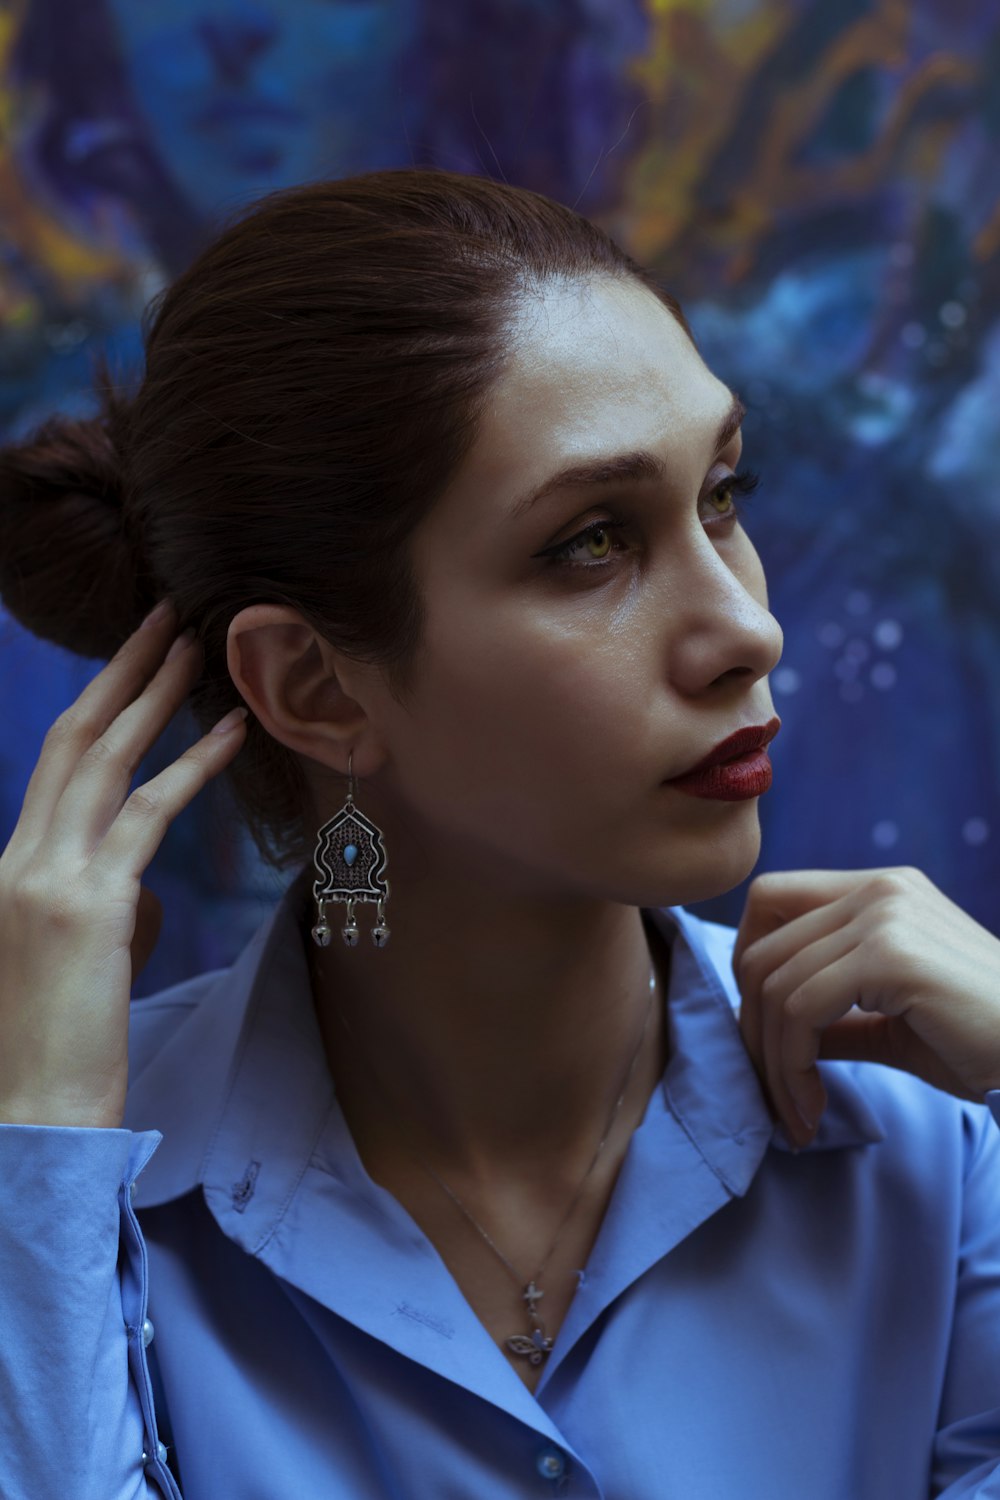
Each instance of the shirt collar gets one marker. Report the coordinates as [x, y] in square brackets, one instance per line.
[242, 1074]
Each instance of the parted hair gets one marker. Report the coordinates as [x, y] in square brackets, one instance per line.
[310, 385]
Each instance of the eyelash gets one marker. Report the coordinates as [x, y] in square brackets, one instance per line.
[742, 484]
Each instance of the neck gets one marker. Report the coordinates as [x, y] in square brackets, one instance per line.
[500, 1054]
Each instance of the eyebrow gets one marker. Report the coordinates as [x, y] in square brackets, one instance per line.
[638, 466]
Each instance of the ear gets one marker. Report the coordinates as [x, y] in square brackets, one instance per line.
[296, 685]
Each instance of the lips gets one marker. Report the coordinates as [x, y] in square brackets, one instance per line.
[753, 737]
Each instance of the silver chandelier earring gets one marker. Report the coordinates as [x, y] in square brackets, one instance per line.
[350, 857]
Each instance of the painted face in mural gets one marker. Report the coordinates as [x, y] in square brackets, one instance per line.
[243, 98]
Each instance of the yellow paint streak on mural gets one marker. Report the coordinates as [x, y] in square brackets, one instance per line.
[60, 251]
[800, 110]
[696, 75]
[6, 43]
[69, 261]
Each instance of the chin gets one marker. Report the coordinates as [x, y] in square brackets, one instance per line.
[718, 866]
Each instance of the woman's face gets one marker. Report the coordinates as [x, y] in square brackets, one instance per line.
[552, 698]
[242, 98]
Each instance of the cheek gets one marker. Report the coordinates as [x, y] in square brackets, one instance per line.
[539, 710]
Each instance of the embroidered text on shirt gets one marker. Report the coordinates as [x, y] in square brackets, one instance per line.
[425, 1318]
[243, 1191]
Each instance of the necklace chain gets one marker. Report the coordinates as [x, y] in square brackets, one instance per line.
[537, 1346]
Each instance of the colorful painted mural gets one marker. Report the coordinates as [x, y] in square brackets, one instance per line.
[817, 180]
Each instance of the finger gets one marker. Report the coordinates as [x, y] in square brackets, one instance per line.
[138, 830]
[94, 793]
[780, 897]
[767, 955]
[809, 992]
[104, 697]
[858, 1037]
[751, 1032]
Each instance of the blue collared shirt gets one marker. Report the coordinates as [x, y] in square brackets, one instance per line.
[217, 1301]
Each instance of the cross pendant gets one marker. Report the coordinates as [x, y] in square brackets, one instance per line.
[531, 1295]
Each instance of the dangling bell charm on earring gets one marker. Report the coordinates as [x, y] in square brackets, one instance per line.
[350, 857]
[322, 932]
[380, 932]
[349, 932]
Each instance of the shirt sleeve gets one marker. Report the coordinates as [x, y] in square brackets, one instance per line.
[967, 1443]
[77, 1416]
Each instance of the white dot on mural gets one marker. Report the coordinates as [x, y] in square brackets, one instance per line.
[857, 649]
[786, 680]
[858, 602]
[887, 635]
[913, 335]
[975, 831]
[883, 675]
[851, 692]
[885, 834]
[830, 633]
[952, 314]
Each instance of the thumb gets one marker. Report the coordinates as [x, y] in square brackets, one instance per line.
[148, 922]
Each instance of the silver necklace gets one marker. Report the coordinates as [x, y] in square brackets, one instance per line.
[537, 1345]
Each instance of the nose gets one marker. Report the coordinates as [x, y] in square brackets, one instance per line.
[236, 40]
[726, 634]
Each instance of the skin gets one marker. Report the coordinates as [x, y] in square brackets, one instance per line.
[519, 789]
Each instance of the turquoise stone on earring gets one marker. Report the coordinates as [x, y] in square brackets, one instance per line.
[350, 854]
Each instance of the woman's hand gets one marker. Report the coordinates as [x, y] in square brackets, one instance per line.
[813, 944]
[75, 922]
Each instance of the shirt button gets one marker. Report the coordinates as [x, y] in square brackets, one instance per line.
[131, 1192]
[161, 1452]
[551, 1463]
[147, 1334]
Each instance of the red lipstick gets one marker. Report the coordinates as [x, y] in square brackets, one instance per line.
[735, 769]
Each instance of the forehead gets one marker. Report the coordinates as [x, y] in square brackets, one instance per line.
[594, 367]
[604, 335]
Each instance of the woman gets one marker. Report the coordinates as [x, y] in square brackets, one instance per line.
[498, 1197]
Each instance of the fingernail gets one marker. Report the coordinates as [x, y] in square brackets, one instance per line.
[810, 1124]
[230, 721]
[158, 615]
[182, 642]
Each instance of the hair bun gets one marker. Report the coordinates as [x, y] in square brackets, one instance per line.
[69, 570]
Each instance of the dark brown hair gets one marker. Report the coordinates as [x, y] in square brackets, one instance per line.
[312, 382]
